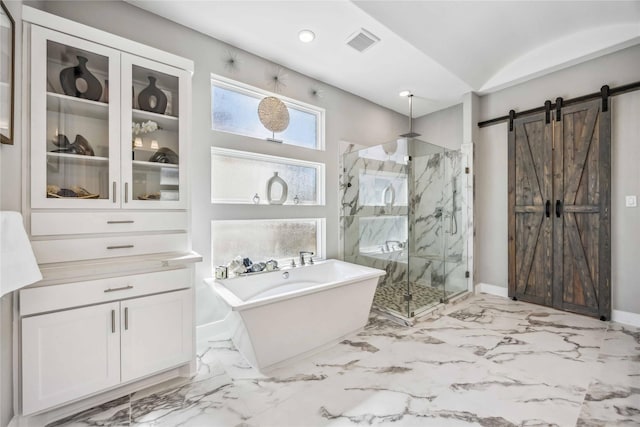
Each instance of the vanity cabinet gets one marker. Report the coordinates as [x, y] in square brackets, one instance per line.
[108, 216]
[80, 351]
[93, 145]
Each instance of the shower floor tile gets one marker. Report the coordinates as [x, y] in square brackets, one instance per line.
[392, 297]
[486, 361]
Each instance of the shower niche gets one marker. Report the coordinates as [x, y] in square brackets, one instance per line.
[405, 211]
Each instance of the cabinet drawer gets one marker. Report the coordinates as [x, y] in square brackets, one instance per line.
[68, 295]
[60, 223]
[47, 251]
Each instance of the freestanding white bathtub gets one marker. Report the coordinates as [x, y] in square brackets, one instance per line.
[290, 312]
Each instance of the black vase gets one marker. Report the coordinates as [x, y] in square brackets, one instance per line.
[69, 77]
[152, 99]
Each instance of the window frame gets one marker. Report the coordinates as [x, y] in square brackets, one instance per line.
[245, 89]
[250, 155]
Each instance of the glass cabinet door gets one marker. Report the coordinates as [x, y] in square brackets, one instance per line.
[75, 148]
[153, 134]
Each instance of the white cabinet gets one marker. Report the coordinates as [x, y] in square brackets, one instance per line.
[156, 333]
[108, 129]
[69, 354]
[73, 353]
[109, 220]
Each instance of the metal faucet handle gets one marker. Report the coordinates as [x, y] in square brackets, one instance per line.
[302, 254]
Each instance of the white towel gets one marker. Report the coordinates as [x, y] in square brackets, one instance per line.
[18, 266]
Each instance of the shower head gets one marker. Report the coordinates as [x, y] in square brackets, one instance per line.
[411, 133]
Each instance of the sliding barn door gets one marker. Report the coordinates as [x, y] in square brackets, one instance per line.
[559, 209]
[530, 219]
[581, 267]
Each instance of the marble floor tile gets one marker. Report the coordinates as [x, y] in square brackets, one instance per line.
[486, 361]
[115, 413]
[613, 397]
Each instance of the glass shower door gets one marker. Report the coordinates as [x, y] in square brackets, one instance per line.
[375, 203]
[427, 214]
[455, 233]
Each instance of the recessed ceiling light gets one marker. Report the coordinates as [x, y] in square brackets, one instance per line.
[405, 93]
[306, 36]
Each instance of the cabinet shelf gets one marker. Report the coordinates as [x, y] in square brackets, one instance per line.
[76, 158]
[107, 125]
[168, 123]
[57, 102]
[153, 165]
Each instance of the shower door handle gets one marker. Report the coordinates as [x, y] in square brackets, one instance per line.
[547, 209]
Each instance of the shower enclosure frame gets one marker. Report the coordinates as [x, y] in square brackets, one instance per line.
[354, 211]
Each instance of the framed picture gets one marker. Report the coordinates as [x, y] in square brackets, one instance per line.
[7, 58]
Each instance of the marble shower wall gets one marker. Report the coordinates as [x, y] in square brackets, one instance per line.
[367, 222]
[438, 219]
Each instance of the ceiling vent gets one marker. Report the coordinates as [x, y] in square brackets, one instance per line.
[362, 40]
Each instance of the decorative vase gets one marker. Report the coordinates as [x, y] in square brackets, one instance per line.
[152, 99]
[275, 179]
[389, 196]
[69, 80]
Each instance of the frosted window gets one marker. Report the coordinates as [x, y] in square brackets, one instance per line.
[235, 110]
[261, 240]
[236, 177]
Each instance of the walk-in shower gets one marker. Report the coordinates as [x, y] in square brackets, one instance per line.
[404, 210]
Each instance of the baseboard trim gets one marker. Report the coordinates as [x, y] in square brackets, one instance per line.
[626, 317]
[212, 331]
[498, 291]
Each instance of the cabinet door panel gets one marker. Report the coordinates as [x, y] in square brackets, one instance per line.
[75, 122]
[157, 333]
[154, 118]
[68, 355]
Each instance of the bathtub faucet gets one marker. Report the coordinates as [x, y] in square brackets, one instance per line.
[302, 254]
[400, 245]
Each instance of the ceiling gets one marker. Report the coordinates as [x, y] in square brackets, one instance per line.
[438, 50]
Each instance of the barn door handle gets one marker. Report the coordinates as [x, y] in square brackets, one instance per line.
[547, 208]
[558, 208]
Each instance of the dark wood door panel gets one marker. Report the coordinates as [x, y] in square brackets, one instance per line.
[581, 188]
[533, 258]
[559, 202]
[530, 230]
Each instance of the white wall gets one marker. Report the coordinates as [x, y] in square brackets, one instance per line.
[491, 167]
[348, 117]
[10, 199]
[442, 127]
